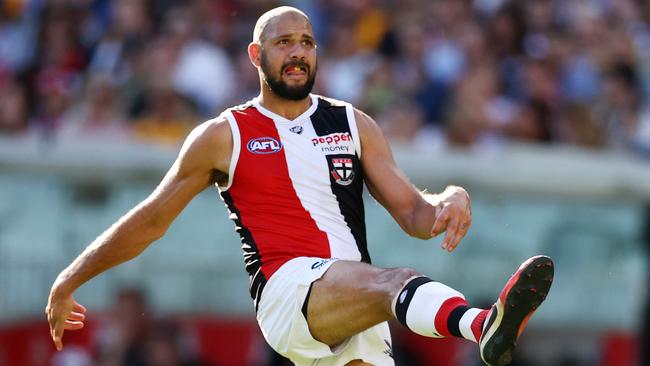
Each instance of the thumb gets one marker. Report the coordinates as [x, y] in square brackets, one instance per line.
[440, 224]
[57, 336]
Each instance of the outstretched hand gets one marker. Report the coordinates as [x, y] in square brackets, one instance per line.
[453, 216]
[63, 314]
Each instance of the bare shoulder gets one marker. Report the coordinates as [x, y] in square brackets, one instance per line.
[369, 131]
[215, 130]
[209, 145]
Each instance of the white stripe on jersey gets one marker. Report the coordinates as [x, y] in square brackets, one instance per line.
[310, 176]
[236, 148]
[354, 131]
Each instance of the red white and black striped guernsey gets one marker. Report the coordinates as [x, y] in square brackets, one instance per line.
[295, 186]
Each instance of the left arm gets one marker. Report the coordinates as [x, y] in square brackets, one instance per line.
[419, 214]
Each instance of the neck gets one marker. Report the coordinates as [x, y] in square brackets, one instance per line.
[289, 109]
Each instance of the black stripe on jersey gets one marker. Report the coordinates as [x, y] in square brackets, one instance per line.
[328, 119]
[252, 259]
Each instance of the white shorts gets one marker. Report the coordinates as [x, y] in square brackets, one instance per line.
[285, 328]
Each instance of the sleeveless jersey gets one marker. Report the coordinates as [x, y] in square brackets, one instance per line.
[295, 186]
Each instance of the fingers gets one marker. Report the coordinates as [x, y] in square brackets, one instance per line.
[57, 334]
[77, 307]
[64, 314]
[76, 317]
[57, 327]
[73, 325]
[460, 234]
[451, 237]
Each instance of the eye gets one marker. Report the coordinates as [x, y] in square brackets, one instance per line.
[283, 41]
[308, 43]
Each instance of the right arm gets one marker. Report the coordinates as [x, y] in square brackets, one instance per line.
[203, 159]
[419, 214]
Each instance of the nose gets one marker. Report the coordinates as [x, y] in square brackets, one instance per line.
[297, 52]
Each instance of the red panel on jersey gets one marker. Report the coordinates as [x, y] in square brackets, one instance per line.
[263, 194]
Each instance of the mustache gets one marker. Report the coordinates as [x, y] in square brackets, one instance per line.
[296, 63]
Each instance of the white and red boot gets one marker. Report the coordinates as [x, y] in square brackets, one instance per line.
[521, 296]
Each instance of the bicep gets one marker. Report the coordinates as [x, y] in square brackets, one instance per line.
[195, 168]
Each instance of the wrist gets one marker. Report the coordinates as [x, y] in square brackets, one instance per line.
[451, 191]
[61, 288]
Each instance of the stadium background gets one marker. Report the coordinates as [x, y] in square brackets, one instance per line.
[540, 108]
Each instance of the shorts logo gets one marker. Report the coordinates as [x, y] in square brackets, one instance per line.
[388, 351]
[402, 297]
[342, 172]
[321, 263]
[264, 145]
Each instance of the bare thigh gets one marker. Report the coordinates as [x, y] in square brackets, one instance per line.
[352, 297]
[357, 363]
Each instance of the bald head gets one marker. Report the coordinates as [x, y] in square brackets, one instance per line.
[272, 17]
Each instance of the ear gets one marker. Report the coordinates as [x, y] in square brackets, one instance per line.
[254, 50]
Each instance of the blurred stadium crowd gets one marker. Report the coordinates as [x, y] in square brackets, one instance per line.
[433, 73]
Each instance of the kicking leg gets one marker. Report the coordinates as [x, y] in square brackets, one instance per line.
[352, 297]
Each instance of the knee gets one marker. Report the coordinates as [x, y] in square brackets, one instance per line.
[390, 281]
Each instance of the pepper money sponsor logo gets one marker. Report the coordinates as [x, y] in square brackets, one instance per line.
[334, 142]
[264, 145]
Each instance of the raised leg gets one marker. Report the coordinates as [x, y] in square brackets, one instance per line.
[352, 297]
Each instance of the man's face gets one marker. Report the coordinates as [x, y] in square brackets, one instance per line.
[288, 57]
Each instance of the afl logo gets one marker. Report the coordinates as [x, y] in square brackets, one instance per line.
[264, 145]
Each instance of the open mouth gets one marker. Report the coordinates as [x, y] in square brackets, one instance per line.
[295, 70]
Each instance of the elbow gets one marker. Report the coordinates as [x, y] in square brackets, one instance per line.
[156, 227]
[156, 232]
[419, 234]
[141, 242]
[416, 221]
[413, 227]
[143, 235]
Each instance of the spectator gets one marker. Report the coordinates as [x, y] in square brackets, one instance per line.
[203, 71]
[18, 25]
[13, 109]
[168, 346]
[169, 116]
[122, 340]
[100, 114]
[345, 66]
[480, 72]
[618, 112]
[133, 336]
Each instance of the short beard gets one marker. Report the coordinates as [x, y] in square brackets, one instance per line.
[280, 88]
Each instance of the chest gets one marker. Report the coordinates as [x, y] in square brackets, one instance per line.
[303, 154]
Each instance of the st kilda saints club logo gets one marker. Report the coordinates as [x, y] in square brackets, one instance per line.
[342, 171]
